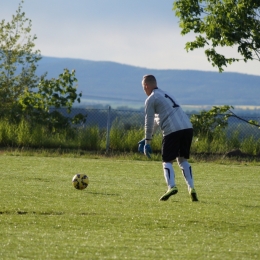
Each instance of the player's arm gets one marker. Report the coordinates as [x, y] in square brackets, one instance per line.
[149, 119]
[155, 126]
[144, 141]
[149, 126]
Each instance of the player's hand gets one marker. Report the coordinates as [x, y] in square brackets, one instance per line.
[141, 146]
[148, 150]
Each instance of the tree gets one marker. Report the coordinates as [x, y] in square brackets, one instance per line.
[18, 61]
[207, 123]
[221, 23]
[55, 93]
[22, 92]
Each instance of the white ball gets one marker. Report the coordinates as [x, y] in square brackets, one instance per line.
[80, 181]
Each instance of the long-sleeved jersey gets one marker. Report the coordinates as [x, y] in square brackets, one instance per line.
[162, 110]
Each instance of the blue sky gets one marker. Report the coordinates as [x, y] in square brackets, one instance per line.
[142, 33]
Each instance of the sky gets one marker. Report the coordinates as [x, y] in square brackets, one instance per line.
[142, 33]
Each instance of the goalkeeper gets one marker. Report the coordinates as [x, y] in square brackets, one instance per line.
[162, 110]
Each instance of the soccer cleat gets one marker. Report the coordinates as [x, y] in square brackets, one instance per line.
[169, 193]
[193, 195]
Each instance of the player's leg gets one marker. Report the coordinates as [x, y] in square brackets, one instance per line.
[168, 155]
[186, 171]
[184, 154]
[187, 174]
[169, 174]
[170, 180]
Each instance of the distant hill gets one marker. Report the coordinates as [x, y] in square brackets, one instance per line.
[114, 81]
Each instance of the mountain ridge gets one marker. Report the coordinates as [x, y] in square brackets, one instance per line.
[111, 80]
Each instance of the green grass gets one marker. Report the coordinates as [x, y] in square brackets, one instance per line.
[119, 216]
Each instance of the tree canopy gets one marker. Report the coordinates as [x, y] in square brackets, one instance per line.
[24, 94]
[18, 60]
[221, 23]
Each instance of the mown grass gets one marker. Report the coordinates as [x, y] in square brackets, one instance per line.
[119, 216]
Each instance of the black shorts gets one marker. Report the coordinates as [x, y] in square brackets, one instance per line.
[177, 144]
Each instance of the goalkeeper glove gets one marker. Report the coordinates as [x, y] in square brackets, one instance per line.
[141, 146]
[147, 150]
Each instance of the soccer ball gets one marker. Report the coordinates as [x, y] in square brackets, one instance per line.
[80, 181]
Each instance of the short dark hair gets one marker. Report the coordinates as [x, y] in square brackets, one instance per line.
[149, 79]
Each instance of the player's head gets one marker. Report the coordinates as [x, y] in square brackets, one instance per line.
[149, 84]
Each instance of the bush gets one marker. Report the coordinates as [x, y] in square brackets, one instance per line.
[122, 139]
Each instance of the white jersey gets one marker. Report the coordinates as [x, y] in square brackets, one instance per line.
[162, 110]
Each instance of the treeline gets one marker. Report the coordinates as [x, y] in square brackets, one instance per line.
[216, 131]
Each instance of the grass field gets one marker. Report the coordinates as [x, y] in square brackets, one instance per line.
[119, 215]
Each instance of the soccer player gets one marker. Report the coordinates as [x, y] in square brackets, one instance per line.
[162, 109]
